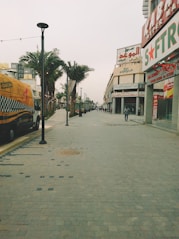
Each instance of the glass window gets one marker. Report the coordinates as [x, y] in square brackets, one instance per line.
[133, 78]
[118, 80]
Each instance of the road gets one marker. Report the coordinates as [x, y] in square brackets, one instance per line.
[98, 178]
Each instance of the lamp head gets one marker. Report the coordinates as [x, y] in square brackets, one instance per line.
[42, 25]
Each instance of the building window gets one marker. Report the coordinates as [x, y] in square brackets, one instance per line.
[144, 78]
[133, 78]
[118, 80]
[154, 4]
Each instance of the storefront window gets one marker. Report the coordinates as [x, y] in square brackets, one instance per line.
[130, 103]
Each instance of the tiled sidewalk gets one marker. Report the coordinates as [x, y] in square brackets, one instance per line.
[95, 179]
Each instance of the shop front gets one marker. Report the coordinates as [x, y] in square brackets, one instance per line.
[133, 101]
[161, 64]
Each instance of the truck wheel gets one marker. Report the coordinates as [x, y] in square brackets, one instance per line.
[11, 135]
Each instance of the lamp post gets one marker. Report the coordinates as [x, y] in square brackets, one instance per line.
[43, 26]
[80, 111]
[67, 101]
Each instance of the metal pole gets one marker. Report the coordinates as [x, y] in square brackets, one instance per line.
[42, 26]
[67, 102]
[43, 93]
[80, 111]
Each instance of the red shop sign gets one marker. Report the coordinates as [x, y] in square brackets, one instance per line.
[159, 17]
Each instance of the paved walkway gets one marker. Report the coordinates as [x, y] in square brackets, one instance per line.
[98, 178]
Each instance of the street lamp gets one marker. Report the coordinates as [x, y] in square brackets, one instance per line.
[67, 101]
[80, 111]
[43, 26]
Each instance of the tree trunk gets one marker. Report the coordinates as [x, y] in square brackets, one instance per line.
[72, 103]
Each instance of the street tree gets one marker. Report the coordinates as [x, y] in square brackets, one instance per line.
[52, 67]
[76, 73]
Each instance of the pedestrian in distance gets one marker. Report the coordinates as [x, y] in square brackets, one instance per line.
[126, 113]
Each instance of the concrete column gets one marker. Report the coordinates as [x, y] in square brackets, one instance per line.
[122, 105]
[137, 105]
[148, 107]
[113, 105]
[175, 103]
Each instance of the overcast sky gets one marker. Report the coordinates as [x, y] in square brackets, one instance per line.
[86, 31]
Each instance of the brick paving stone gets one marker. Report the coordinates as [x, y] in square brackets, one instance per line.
[98, 178]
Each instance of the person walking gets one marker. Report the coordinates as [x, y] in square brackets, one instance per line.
[126, 113]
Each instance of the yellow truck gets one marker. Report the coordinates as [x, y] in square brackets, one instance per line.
[19, 107]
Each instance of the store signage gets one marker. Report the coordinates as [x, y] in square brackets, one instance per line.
[127, 94]
[126, 70]
[168, 88]
[155, 106]
[159, 17]
[126, 86]
[161, 74]
[163, 44]
[129, 54]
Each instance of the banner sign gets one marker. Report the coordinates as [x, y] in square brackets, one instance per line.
[163, 44]
[128, 94]
[168, 88]
[155, 106]
[129, 54]
[161, 74]
[71, 85]
[159, 17]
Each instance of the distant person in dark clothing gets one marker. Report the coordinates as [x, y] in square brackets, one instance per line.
[126, 113]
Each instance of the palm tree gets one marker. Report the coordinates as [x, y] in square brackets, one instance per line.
[59, 96]
[52, 70]
[76, 73]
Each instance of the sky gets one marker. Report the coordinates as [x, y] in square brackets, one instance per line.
[88, 32]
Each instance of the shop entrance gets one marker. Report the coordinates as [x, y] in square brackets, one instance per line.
[118, 106]
[130, 103]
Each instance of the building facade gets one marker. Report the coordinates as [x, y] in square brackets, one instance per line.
[126, 87]
[160, 43]
[20, 72]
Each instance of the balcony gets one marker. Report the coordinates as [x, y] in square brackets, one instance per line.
[145, 8]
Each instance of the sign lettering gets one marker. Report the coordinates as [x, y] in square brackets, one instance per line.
[129, 54]
[5, 85]
[162, 44]
[161, 14]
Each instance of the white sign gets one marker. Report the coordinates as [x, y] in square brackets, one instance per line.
[164, 43]
[129, 54]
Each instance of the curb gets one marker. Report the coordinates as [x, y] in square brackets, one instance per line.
[22, 139]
